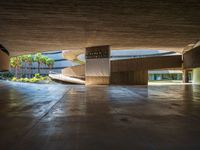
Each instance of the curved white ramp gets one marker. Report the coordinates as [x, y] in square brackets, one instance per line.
[66, 78]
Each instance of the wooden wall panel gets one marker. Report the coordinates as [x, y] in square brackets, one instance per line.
[129, 77]
[148, 63]
[191, 59]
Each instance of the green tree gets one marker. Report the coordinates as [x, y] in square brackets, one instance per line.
[38, 59]
[24, 59]
[15, 63]
[19, 64]
[50, 63]
[44, 61]
[30, 61]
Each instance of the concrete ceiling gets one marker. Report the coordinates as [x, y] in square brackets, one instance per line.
[28, 26]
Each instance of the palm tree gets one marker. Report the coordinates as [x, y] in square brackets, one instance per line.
[19, 63]
[24, 59]
[30, 62]
[50, 63]
[16, 62]
[46, 64]
[44, 60]
[38, 59]
[13, 64]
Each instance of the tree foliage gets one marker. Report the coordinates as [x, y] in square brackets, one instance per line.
[17, 61]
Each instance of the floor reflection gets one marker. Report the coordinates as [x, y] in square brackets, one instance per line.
[99, 117]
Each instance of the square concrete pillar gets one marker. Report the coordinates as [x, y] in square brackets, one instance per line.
[185, 76]
[196, 75]
[97, 68]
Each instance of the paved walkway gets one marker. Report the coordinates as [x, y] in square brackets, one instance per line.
[75, 117]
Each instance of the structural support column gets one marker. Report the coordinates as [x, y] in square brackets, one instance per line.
[191, 61]
[196, 75]
[4, 59]
[97, 68]
[185, 76]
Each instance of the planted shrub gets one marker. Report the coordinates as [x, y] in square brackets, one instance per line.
[37, 75]
[35, 79]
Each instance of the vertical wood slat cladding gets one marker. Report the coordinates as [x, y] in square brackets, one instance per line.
[135, 71]
[147, 63]
[191, 58]
[129, 77]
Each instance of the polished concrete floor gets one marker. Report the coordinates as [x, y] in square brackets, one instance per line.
[74, 117]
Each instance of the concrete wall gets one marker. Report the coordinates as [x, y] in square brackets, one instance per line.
[74, 71]
[196, 75]
[4, 61]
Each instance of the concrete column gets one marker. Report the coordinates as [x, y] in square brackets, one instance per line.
[185, 76]
[4, 59]
[97, 66]
[196, 75]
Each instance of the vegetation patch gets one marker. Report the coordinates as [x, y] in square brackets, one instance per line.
[27, 60]
[36, 79]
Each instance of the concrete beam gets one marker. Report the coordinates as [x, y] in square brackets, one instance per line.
[28, 26]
